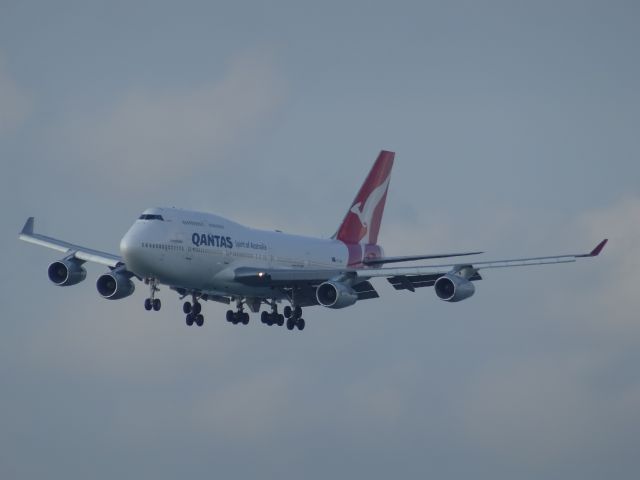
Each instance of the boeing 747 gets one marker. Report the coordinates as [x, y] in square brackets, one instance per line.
[204, 257]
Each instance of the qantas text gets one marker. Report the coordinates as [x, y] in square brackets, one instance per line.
[211, 240]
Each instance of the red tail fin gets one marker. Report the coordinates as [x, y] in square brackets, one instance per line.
[361, 224]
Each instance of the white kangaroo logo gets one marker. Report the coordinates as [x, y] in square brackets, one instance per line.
[365, 213]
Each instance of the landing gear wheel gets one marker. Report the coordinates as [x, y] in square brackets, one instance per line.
[290, 324]
[156, 304]
[230, 316]
[186, 307]
[200, 320]
[147, 304]
[245, 318]
[197, 308]
[297, 312]
[287, 311]
[189, 320]
[280, 320]
[300, 324]
[264, 318]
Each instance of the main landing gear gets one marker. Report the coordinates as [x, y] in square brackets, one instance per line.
[293, 315]
[239, 316]
[152, 302]
[193, 312]
[273, 317]
[294, 318]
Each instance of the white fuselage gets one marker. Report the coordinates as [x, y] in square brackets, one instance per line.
[200, 251]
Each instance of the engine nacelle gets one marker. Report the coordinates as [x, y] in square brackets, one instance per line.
[115, 285]
[336, 295]
[66, 272]
[453, 288]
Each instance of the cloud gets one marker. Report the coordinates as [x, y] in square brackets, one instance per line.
[149, 135]
[545, 399]
[541, 404]
[15, 102]
[605, 297]
[247, 409]
[566, 390]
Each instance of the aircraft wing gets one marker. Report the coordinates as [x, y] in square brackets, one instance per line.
[410, 278]
[81, 253]
[516, 262]
[400, 277]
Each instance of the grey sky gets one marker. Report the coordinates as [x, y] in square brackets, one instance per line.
[516, 131]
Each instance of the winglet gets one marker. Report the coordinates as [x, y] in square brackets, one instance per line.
[596, 251]
[28, 227]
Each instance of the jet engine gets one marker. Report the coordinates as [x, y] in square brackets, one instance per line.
[453, 288]
[115, 285]
[67, 272]
[336, 295]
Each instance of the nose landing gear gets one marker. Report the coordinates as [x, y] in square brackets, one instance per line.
[152, 303]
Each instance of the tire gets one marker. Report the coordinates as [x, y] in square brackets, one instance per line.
[157, 304]
[245, 318]
[189, 320]
[197, 308]
[297, 312]
[300, 324]
[230, 316]
[290, 324]
[199, 320]
[186, 307]
[147, 304]
[264, 317]
[287, 311]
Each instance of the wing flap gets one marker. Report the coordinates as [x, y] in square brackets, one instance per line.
[411, 282]
[365, 291]
[284, 277]
[411, 258]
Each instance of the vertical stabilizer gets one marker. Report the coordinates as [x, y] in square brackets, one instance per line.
[361, 224]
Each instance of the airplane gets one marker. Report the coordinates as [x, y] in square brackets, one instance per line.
[205, 257]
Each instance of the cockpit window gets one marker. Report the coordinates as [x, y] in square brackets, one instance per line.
[146, 216]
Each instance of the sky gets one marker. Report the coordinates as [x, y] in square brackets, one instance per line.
[515, 127]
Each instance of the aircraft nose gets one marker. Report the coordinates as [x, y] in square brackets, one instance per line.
[128, 245]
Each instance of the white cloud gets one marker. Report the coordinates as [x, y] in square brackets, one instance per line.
[150, 135]
[248, 408]
[605, 298]
[15, 102]
[540, 404]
